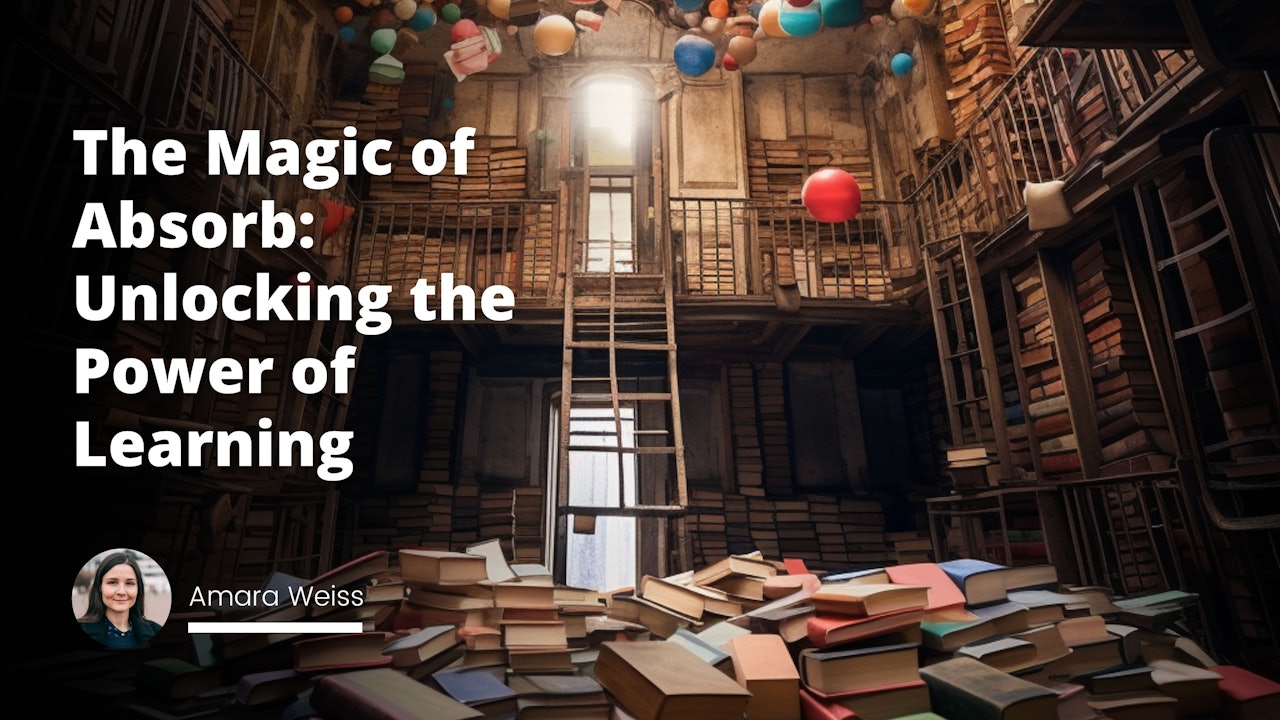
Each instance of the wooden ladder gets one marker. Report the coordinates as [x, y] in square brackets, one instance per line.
[970, 375]
[612, 321]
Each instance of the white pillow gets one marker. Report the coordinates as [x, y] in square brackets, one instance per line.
[1046, 206]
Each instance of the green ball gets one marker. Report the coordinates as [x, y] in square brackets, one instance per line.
[383, 39]
[451, 13]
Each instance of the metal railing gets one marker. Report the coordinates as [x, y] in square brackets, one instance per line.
[480, 242]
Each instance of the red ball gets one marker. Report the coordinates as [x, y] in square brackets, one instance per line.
[831, 195]
[463, 29]
[729, 63]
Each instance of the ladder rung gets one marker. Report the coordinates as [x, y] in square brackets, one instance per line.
[953, 303]
[630, 511]
[652, 450]
[962, 353]
[969, 401]
[1174, 260]
[1210, 324]
[1193, 215]
[620, 345]
[606, 397]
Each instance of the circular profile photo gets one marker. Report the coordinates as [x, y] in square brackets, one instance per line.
[121, 598]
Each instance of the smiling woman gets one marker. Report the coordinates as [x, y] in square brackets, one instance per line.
[121, 598]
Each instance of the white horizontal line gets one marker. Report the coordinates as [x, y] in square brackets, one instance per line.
[269, 628]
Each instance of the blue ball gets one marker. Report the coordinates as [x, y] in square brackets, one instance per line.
[800, 22]
[754, 9]
[901, 64]
[694, 55]
[448, 103]
[423, 19]
[347, 33]
[840, 13]
[689, 5]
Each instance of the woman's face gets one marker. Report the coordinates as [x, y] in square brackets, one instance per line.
[119, 588]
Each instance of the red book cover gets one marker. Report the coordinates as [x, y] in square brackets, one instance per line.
[795, 566]
[1240, 685]
[827, 630]
[811, 708]
[943, 592]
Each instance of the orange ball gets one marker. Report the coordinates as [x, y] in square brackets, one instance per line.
[343, 15]
[719, 9]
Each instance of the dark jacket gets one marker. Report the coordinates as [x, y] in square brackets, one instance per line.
[143, 631]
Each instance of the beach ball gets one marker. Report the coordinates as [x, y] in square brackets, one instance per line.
[383, 39]
[694, 55]
[343, 14]
[451, 13]
[742, 48]
[799, 21]
[840, 13]
[901, 64]
[769, 19]
[423, 19]
[554, 35]
[831, 195]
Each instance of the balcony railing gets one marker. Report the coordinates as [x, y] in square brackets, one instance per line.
[743, 247]
[1058, 111]
[510, 242]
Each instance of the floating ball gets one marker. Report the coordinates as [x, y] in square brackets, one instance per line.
[901, 64]
[799, 3]
[840, 13]
[831, 195]
[451, 13]
[728, 63]
[799, 21]
[718, 9]
[343, 14]
[754, 9]
[335, 213]
[689, 5]
[743, 49]
[462, 30]
[500, 8]
[382, 17]
[554, 35]
[448, 104]
[695, 55]
[769, 19]
[347, 33]
[423, 19]
[383, 39]
[917, 7]
[875, 20]
[404, 9]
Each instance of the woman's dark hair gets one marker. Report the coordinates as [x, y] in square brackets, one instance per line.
[97, 609]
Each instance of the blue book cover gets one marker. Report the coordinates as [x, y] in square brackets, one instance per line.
[960, 569]
[472, 687]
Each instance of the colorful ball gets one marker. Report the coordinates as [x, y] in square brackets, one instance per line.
[831, 195]
[901, 64]
[500, 8]
[917, 7]
[728, 63]
[347, 33]
[451, 13]
[689, 5]
[799, 21]
[718, 9]
[383, 39]
[840, 13]
[554, 35]
[799, 3]
[404, 9]
[343, 14]
[462, 30]
[694, 55]
[743, 49]
[769, 22]
[423, 19]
